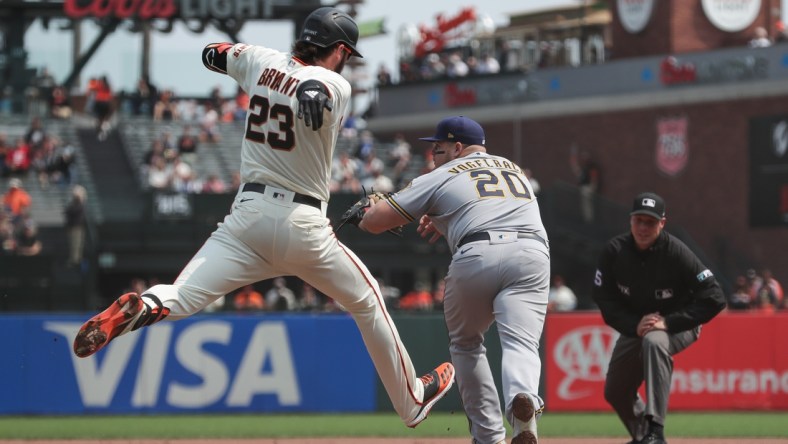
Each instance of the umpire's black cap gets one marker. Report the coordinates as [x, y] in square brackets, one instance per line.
[648, 204]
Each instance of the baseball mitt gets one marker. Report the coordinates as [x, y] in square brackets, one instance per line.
[355, 213]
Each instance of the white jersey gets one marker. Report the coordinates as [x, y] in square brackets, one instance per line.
[478, 192]
[278, 148]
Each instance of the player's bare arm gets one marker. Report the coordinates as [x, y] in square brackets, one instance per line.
[381, 217]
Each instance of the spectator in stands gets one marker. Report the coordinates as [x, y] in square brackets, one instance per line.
[418, 299]
[399, 158]
[7, 239]
[184, 179]
[769, 296]
[35, 135]
[6, 102]
[457, 66]
[75, 214]
[215, 99]
[18, 158]
[165, 108]
[63, 172]
[103, 106]
[241, 104]
[248, 299]
[214, 185]
[159, 174]
[344, 174]
[90, 95]
[383, 76]
[433, 67]
[5, 151]
[279, 297]
[40, 91]
[366, 145]
[378, 181]
[45, 161]
[144, 97]
[740, 299]
[760, 38]
[349, 128]
[588, 177]
[561, 297]
[389, 293]
[488, 64]
[187, 145]
[370, 164]
[27, 242]
[782, 33]
[60, 103]
[310, 299]
[438, 295]
[16, 200]
[209, 124]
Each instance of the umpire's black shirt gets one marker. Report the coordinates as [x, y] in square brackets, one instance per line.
[666, 278]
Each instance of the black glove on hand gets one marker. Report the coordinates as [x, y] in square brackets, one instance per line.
[312, 99]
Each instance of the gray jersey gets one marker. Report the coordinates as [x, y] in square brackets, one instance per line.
[277, 148]
[478, 192]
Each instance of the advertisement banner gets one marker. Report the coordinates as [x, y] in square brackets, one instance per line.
[219, 363]
[739, 362]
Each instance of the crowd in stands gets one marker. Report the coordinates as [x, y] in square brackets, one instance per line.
[44, 155]
[18, 230]
[758, 291]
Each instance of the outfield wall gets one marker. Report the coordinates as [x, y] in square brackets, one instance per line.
[318, 363]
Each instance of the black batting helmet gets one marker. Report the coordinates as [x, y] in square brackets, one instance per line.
[327, 26]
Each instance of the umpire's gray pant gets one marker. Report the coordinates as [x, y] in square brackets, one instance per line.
[636, 359]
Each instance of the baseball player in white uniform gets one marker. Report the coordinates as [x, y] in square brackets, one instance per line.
[278, 223]
[500, 271]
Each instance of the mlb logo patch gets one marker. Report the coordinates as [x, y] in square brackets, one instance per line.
[703, 275]
[666, 293]
[279, 196]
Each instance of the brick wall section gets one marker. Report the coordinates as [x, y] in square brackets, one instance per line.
[678, 26]
[709, 198]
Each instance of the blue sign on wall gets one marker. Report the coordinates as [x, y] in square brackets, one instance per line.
[259, 363]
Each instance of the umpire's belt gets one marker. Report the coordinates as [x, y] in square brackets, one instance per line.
[483, 235]
[297, 198]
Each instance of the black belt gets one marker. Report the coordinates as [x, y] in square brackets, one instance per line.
[484, 235]
[298, 198]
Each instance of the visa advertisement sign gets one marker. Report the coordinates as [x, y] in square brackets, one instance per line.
[739, 362]
[201, 364]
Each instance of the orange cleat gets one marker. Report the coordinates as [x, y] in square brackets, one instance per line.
[436, 384]
[117, 319]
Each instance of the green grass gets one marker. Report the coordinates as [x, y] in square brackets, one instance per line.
[745, 424]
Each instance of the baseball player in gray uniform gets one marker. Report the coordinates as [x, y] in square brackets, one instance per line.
[278, 223]
[500, 271]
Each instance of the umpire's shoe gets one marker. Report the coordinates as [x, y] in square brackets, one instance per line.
[653, 438]
[524, 420]
[127, 313]
[436, 384]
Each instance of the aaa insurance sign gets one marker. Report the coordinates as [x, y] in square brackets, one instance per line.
[725, 369]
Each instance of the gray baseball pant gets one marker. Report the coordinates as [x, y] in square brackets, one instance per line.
[636, 359]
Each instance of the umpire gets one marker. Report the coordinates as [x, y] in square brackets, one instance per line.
[654, 291]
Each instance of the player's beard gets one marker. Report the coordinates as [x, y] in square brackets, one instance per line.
[340, 66]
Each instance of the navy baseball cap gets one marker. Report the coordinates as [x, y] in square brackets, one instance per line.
[648, 204]
[458, 129]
